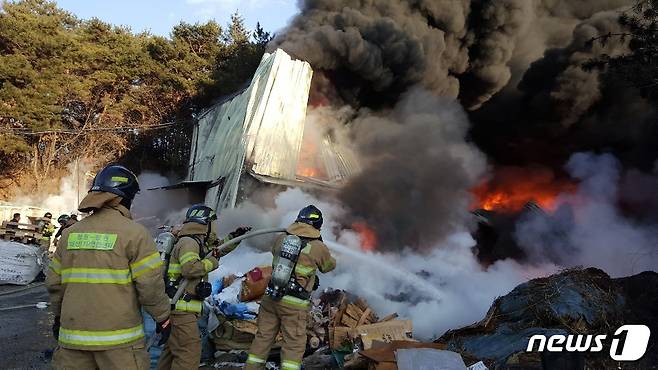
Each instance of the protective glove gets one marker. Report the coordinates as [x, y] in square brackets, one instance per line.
[213, 240]
[164, 329]
[233, 234]
[239, 231]
[56, 326]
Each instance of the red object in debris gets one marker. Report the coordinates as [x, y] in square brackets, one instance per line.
[256, 274]
[254, 286]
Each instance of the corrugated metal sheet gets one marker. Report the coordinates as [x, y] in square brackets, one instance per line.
[262, 129]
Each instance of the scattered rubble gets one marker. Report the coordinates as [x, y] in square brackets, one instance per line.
[345, 332]
[341, 324]
[31, 233]
[575, 301]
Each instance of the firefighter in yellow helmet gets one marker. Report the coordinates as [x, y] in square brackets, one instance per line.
[285, 307]
[47, 229]
[192, 258]
[105, 269]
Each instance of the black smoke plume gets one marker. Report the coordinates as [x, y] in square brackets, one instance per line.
[514, 65]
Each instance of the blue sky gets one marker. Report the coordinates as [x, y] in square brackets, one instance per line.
[159, 16]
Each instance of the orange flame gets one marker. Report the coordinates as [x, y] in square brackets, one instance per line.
[512, 188]
[367, 236]
[306, 171]
[307, 164]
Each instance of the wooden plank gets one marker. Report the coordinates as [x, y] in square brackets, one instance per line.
[390, 317]
[21, 233]
[353, 311]
[348, 321]
[341, 310]
[22, 227]
[339, 336]
[365, 317]
[363, 305]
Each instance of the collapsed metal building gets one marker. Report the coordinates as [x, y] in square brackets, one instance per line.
[258, 134]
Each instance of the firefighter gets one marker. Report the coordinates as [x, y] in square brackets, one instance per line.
[16, 218]
[48, 228]
[62, 220]
[285, 307]
[192, 258]
[104, 269]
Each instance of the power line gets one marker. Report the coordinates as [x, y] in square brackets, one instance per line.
[22, 131]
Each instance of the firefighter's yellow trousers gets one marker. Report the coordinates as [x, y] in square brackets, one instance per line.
[290, 317]
[132, 357]
[183, 349]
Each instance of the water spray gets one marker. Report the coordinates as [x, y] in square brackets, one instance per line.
[376, 260]
[372, 259]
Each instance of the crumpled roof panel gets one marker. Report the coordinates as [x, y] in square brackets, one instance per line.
[261, 130]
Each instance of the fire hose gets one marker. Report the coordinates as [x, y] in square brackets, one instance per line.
[401, 274]
[221, 247]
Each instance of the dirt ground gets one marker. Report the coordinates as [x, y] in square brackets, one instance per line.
[26, 340]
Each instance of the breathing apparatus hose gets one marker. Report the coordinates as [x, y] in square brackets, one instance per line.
[225, 245]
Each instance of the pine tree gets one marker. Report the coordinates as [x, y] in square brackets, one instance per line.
[261, 37]
[237, 32]
[71, 88]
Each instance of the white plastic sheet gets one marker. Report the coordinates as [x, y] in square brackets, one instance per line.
[428, 359]
[20, 263]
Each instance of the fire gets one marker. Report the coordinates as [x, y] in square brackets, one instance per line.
[367, 236]
[308, 163]
[306, 171]
[512, 188]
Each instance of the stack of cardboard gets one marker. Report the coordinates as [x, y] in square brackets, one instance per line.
[352, 323]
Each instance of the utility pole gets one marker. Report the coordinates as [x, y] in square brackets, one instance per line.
[77, 181]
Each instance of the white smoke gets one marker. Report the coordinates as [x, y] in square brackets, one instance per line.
[588, 228]
[467, 289]
[154, 207]
[66, 197]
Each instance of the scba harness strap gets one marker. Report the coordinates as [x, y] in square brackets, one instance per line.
[293, 288]
[202, 289]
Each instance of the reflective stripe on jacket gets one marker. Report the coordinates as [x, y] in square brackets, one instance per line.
[185, 262]
[104, 270]
[315, 256]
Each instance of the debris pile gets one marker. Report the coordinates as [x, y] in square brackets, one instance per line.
[575, 301]
[340, 324]
[31, 233]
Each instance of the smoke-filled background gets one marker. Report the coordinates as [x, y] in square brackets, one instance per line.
[463, 289]
[410, 69]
